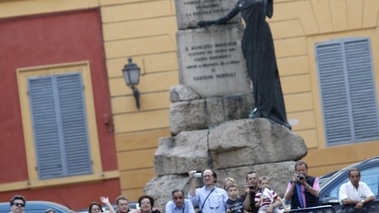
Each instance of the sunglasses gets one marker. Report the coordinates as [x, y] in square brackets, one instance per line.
[19, 204]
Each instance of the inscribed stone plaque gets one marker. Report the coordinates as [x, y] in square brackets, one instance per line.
[189, 12]
[211, 60]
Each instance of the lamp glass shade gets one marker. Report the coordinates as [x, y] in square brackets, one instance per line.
[131, 73]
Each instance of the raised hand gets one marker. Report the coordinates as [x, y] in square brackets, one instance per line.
[104, 200]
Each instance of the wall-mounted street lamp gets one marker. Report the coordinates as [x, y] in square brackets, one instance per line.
[131, 74]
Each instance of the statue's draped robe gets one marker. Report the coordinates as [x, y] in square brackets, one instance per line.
[258, 50]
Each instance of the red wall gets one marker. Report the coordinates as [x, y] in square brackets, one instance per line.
[46, 40]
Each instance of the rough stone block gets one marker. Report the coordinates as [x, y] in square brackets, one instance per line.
[182, 153]
[204, 113]
[253, 141]
[187, 116]
[226, 108]
[182, 93]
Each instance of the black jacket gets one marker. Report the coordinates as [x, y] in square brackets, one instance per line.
[311, 200]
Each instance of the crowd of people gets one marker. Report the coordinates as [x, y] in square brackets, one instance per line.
[257, 198]
[302, 191]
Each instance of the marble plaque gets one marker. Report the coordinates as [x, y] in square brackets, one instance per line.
[211, 60]
[189, 12]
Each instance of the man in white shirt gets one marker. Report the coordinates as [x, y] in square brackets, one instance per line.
[209, 198]
[355, 192]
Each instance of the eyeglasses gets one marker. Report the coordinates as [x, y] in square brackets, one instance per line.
[178, 198]
[19, 204]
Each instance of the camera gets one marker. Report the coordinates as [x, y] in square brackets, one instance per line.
[300, 177]
[251, 187]
[196, 174]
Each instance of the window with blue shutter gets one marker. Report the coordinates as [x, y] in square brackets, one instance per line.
[59, 125]
[348, 95]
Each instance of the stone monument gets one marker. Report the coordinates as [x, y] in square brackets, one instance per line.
[209, 120]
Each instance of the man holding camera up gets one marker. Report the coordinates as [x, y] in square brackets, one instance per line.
[209, 198]
[250, 190]
[302, 190]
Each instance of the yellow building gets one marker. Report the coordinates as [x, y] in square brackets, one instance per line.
[145, 30]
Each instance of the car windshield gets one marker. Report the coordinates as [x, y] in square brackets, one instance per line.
[336, 174]
[326, 176]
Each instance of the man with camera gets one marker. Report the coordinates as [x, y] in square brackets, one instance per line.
[251, 189]
[209, 198]
[303, 190]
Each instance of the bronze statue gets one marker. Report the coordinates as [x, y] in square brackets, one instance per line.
[259, 53]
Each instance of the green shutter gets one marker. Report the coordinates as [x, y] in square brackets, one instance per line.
[59, 125]
[347, 90]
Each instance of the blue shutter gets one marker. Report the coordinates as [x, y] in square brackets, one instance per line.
[347, 91]
[45, 127]
[362, 89]
[333, 92]
[60, 125]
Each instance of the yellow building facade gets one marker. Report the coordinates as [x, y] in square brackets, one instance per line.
[145, 30]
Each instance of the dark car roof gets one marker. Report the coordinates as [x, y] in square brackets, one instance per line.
[36, 207]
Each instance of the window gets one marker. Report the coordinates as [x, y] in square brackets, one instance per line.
[348, 94]
[371, 178]
[334, 192]
[59, 125]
